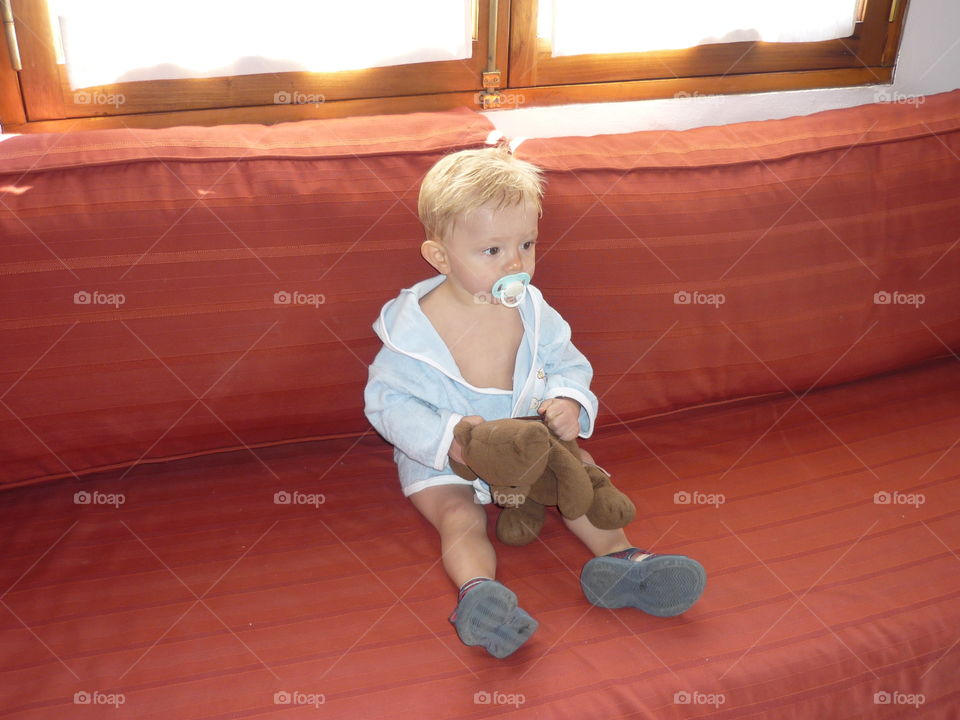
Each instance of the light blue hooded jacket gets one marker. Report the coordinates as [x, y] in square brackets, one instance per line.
[415, 394]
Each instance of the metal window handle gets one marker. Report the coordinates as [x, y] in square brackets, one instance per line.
[10, 31]
[893, 10]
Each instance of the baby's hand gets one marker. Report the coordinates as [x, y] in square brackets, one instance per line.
[562, 416]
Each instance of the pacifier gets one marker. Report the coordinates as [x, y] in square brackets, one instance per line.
[511, 286]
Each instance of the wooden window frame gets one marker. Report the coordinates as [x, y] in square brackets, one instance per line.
[40, 99]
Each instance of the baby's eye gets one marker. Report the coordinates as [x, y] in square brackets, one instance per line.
[491, 251]
[529, 244]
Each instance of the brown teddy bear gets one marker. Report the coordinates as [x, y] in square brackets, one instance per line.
[527, 467]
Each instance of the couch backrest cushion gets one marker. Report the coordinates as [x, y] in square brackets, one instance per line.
[144, 274]
[724, 262]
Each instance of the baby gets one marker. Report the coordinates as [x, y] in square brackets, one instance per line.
[478, 342]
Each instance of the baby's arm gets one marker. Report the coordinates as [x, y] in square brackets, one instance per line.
[398, 406]
[568, 380]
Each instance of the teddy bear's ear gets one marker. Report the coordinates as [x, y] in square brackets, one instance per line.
[462, 432]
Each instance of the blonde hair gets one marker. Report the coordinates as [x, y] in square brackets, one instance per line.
[466, 180]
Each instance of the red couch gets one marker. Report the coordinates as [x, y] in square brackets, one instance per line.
[199, 522]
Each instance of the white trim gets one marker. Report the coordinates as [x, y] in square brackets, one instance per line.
[416, 487]
[520, 407]
[481, 491]
[446, 440]
[381, 323]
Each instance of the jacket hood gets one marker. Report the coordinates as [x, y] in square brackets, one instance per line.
[404, 328]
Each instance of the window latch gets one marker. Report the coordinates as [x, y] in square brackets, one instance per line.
[489, 97]
[894, 6]
[10, 31]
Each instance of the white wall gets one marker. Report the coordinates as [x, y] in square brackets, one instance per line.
[929, 63]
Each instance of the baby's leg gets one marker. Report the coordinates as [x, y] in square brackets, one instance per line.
[662, 585]
[487, 614]
[599, 542]
[466, 551]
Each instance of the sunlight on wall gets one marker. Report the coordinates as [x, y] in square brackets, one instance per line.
[575, 27]
[108, 41]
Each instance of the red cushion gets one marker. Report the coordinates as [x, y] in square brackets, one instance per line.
[797, 223]
[816, 599]
[197, 229]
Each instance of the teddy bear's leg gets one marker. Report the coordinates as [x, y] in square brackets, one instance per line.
[611, 509]
[520, 525]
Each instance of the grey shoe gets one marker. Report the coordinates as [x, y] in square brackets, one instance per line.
[488, 616]
[661, 585]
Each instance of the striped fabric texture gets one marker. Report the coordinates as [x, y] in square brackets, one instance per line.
[772, 311]
[740, 260]
[173, 292]
[234, 585]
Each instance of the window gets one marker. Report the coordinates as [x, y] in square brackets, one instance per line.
[258, 97]
[109, 41]
[741, 65]
[541, 49]
[572, 27]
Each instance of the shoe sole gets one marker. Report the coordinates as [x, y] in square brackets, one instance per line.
[489, 617]
[662, 585]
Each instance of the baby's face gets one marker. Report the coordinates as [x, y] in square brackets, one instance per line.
[488, 243]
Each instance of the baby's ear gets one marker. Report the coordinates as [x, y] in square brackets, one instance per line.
[435, 254]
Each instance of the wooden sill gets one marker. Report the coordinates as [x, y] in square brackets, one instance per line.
[517, 97]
